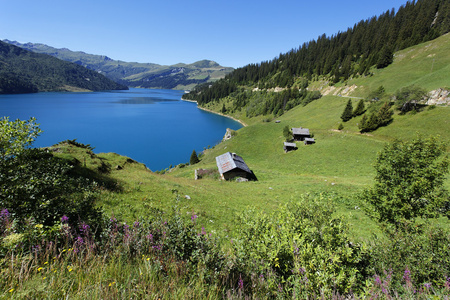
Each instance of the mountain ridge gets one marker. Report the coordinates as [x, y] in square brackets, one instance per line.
[135, 74]
[23, 71]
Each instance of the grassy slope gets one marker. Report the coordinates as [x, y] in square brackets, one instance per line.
[426, 65]
[340, 162]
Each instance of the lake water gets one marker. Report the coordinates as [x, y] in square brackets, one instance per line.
[151, 126]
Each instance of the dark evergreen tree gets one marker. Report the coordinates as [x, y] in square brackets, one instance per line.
[194, 158]
[385, 114]
[360, 108]
[348, 111]
[362, 123]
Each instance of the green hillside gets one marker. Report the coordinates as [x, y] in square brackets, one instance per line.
[25, 71]
[426, 65]
[145, 75]
[75, 224]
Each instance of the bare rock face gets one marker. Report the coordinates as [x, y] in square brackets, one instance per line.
[228, 134]
[439, 97]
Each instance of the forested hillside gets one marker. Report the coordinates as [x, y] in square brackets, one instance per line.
[133, 74]
[368, 44]
[23, 71]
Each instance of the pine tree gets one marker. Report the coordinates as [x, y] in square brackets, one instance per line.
[194, 158]
[362, 123]
[385, 114]
[348, 111]
[360, 108]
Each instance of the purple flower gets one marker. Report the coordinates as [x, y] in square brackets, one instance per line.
[241, 283]
[79, 241]
[193, 217]
[427, 285]
[203, 231]
[377, 280]
[64, 219]
[4, 214]
[407, 275]
[136, 224]
[84, 228]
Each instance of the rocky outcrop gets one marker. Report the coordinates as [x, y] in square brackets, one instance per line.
[438, 97]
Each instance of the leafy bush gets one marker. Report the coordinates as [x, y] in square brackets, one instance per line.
[409, 182]
[36, 185]
[408, 98]
[302, 243]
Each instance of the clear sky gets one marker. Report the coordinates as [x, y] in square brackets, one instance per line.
[232, 33]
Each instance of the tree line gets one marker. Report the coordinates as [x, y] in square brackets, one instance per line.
[369, 43]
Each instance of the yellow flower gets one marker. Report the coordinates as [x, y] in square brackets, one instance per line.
[39, 269]
[44, 278]
[148, 259]
[38, 225]
[64, 250]
[46, 263]
[70, 270]
[11, 290]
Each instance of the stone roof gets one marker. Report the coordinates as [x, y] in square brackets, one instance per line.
[286, 144]
[300, 131]
[230, 161]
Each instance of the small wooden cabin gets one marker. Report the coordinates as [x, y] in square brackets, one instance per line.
[300, 134]
[289, 147]
[231, 165]
[309, 141]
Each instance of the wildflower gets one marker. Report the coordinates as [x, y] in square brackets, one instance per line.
[38, 226]
[4, 214]
[377, 280]
[46, 263]
[39, 269]
[11, 290]
[64, 219]
[84, 228]
[193, 217]
[79, 241]
[407, 275]
[241, 283]
[427, 285]
[136, 224]
[203, 231]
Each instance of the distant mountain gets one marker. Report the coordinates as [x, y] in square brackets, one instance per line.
[23, 71]
[147, 75]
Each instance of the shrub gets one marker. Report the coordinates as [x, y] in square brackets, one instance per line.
[409, 182]
[300, 241]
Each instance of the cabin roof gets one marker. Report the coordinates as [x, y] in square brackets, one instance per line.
[286, 144]
[230, 161]
[300, 131]
[309, 140]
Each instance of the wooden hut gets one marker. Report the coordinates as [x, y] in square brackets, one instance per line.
[300, 134]
[231, 165]
[289, 147]
[309, 141]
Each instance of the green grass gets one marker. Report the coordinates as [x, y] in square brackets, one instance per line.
[340, 162]
[426, 65]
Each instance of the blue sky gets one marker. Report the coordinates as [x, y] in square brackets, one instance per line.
[232, 33]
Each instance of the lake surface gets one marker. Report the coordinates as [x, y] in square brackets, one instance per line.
[150, 126]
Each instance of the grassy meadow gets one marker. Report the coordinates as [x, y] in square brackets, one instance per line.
[209, 217]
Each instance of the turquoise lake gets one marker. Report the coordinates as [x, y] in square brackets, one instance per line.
[154, 127]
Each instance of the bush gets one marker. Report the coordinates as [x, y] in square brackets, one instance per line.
[301, 241]
[409, 182]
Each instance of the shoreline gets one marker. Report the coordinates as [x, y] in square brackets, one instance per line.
[217, 113]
